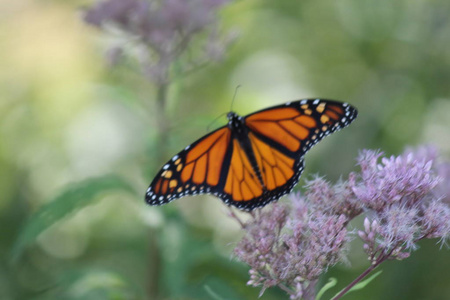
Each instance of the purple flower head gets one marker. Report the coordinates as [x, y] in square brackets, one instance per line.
[424, 153]
[120, 12]
[443, 188]
[292, 246]
[189, 16]
[319, 246]
[402, 194]
[165, 29]
[369, 236]
[404, 179]
[399, 226]
[333, 199]
[314, 239]
[405, 199]
[262, 234]
[436, 220]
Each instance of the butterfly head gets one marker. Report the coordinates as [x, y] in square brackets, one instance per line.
[234, 120]
[231, 115]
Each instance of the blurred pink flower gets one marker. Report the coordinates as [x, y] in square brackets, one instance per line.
[165, 28]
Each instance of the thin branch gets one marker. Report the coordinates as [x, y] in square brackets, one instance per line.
[234, 216]
[354, 282]
[372, 267]
[155, 253]
[285, 288]
[163, 122]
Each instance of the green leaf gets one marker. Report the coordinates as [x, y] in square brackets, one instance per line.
[363, 283]
[211, 293]
[331, 283]
[91, 283]
[73, 198]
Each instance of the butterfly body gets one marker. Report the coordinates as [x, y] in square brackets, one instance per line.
[240, 133]
[253, 160]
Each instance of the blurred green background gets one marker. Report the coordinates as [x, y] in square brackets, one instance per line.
[78, 147]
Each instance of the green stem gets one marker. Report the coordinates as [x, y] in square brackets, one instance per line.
[163, 122]
[154, 266]
[162, 146]
[354, 282]
[372, 267]
[309, 292]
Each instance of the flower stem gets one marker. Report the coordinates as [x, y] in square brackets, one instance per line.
[163, 122]
[354, 282]
[310, 290]
[154, 265]
[285, 288]
[372, 267]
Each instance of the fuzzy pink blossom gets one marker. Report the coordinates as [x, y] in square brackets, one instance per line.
[404, 198]
[292, 246]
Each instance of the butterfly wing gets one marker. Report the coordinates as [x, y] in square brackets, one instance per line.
[296, 126]
[278, 172]
[280, 136]
[195, 170]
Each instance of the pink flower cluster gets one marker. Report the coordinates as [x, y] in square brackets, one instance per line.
[405, 196]
[404, 199]
[286, 247]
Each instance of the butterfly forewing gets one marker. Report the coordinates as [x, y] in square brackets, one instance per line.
[296, 126]
[195, 170]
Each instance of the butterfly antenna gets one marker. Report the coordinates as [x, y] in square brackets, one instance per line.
[231, 108]
[234, 96]
[214, 121]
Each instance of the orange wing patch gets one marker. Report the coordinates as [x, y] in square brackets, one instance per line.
[274, 114]
[204, 160]
[241, 183]
[202, 166]
[284, 125]
[276, 168]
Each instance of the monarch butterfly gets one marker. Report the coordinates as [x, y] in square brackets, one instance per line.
[253, 160]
